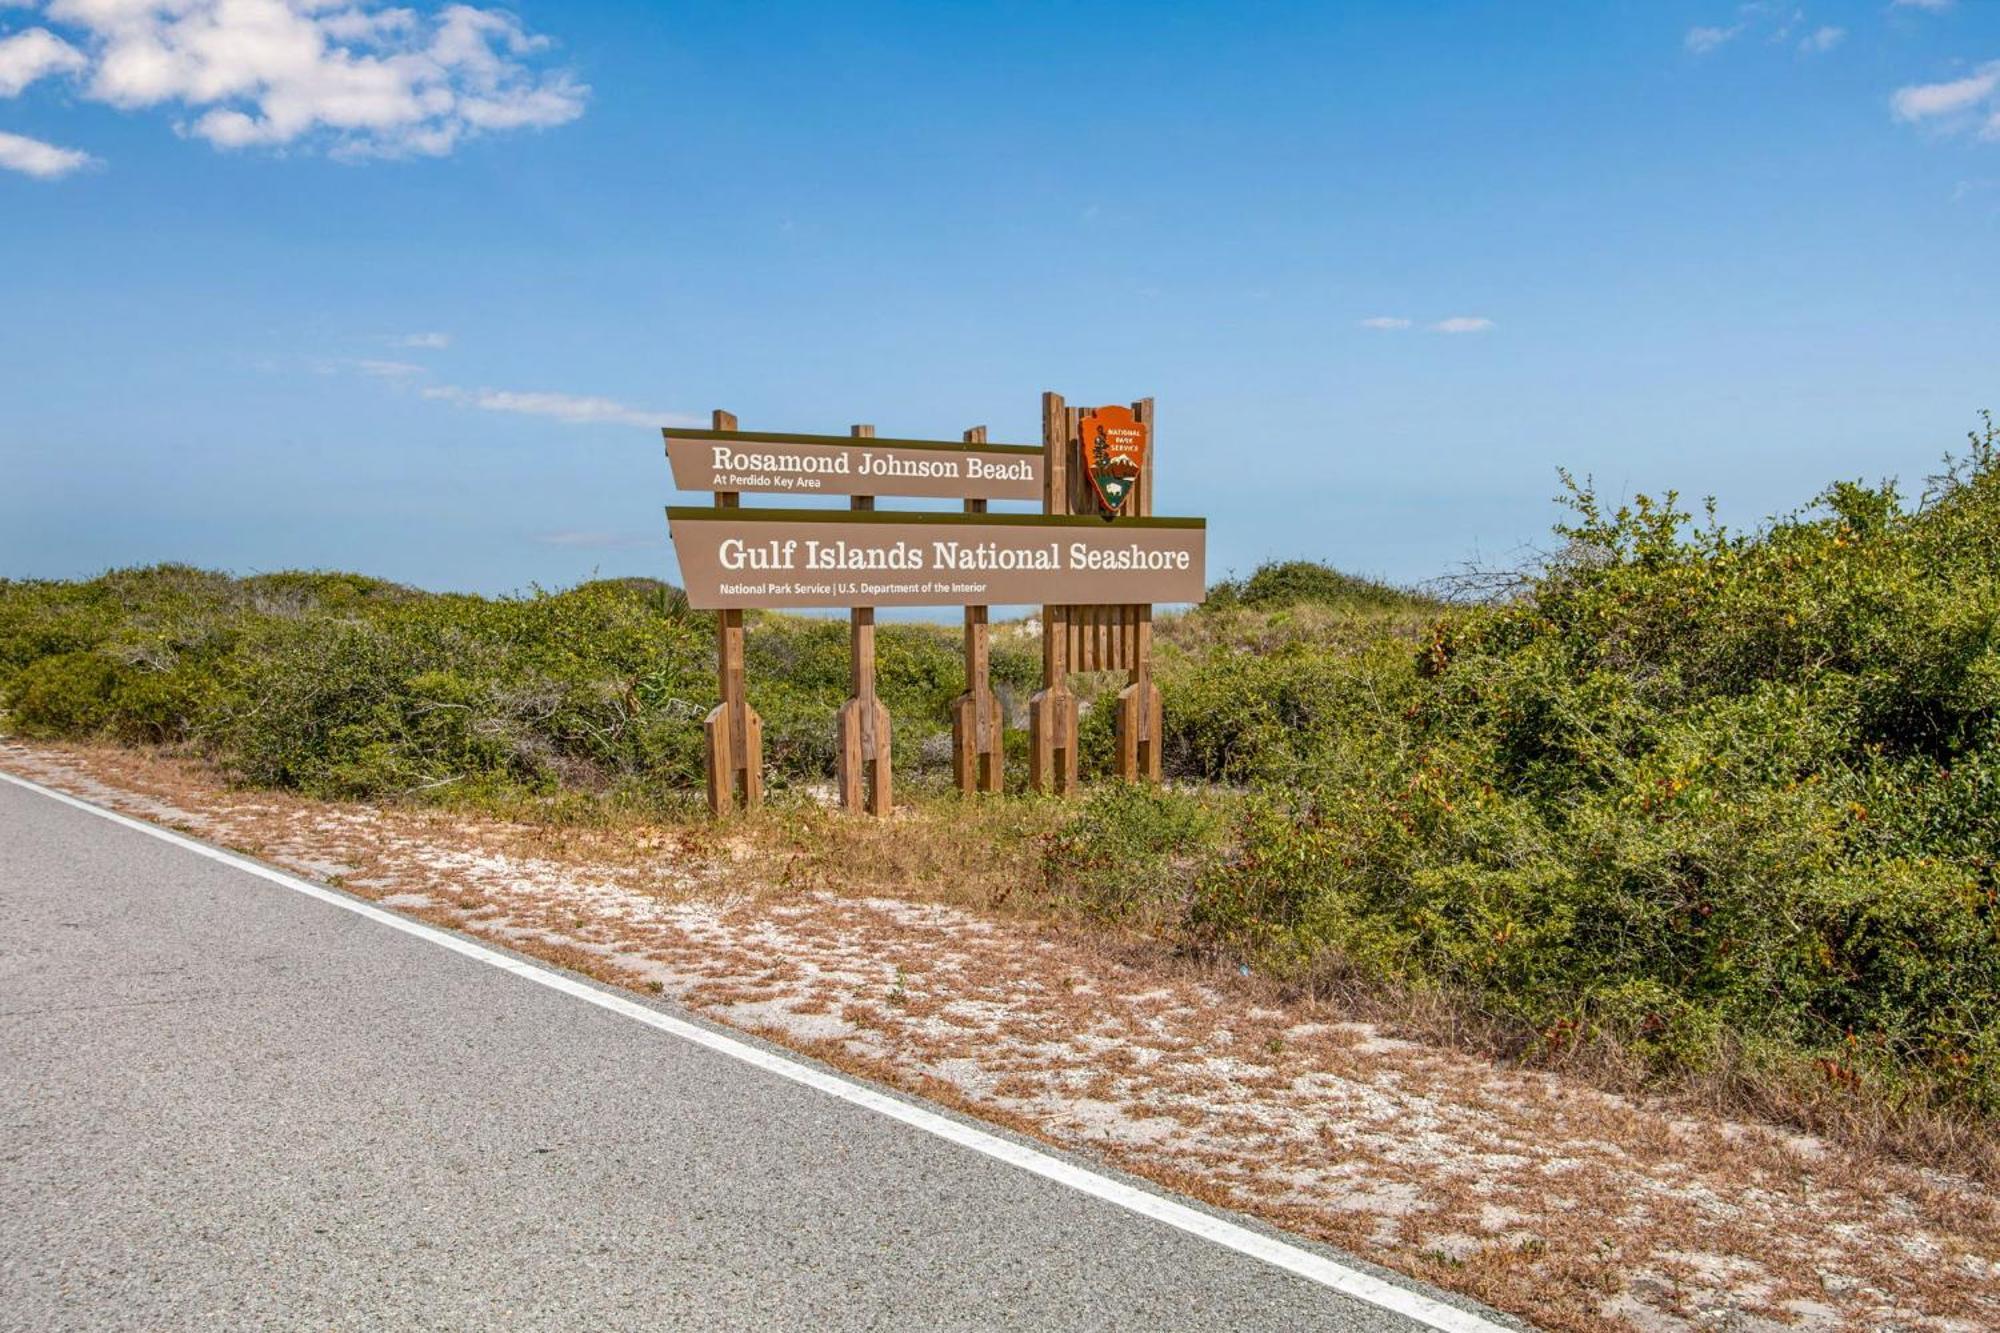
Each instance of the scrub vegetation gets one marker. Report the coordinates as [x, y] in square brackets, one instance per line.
[1708, 807]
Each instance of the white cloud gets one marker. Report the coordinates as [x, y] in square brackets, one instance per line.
[1932, 6]
[429, 342]
[1821, 40]
[1703, 40]
[34, 54]
[361, 80]
[43, 161]
[389, 370]
[1462, 324]
[578, 410]
[1385, 322]
[1956, 104]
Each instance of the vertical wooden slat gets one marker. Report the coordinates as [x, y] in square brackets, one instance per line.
[1139, 704]
[861, 733]
[732, 733]
[1052, 711]
[976, 749]
[1143, 410]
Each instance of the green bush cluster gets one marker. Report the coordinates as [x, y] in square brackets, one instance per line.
[1695, 790]
[339, 686]
[1124, 852]
[1288, 583]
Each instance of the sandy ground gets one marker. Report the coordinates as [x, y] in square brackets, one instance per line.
[1569, 1206]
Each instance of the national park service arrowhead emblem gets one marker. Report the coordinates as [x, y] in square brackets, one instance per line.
[1114, 453]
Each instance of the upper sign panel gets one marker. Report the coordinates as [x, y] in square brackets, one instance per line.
[730, 460]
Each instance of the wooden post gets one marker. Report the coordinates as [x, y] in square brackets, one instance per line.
[732, 733]
[1139, 712]
[1052, 712]
[975, 715]
[861, 734]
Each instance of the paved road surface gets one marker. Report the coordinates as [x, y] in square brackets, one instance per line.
[225, 1103]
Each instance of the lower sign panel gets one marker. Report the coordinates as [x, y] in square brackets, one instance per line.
[805, 558]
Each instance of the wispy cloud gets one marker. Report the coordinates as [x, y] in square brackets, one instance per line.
[1385, 322]
[353, 79]
[427, 342]
[574, 408]
[1462, 324]
[1701, 41]
[1771, 22]
[1930, 6]
[34, 54]
[389, 370]
[1956, 105]
[44, 161]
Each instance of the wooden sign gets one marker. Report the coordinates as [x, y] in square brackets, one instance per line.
[805, 558]
[1114, 453]
[1096, 581]
[737, 461]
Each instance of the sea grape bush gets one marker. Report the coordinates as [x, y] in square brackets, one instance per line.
[1692, 789]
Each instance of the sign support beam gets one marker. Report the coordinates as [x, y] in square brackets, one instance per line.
[861, 733]
[975, 715]
[732, 733]
[1052, 711]
[1140, 715]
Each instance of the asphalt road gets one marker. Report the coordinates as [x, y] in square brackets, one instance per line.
[224, 1103]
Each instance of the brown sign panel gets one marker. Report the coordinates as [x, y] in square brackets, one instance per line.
[1114, 453]
[803, 558]
[729, 460]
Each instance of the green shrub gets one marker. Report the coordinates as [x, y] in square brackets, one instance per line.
[66, 694]
[1288, 583]
[1692, 783]
[1128, 851]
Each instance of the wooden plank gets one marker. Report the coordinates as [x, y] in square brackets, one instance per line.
[956, 447]
[862, 729]
[976, 750]
[1140, 716]
[1052, 712]
[732, 733]
[1143, 412]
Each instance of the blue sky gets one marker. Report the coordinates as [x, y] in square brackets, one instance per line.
[405, 291]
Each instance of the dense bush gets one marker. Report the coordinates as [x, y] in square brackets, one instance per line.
[1288, 583]
[1694, 788]
[1125, 849]
[342, 686]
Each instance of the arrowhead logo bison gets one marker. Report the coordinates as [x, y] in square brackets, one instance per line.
[1114, 454]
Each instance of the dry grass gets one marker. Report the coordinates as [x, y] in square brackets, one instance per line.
[902, 951]
[986, 856]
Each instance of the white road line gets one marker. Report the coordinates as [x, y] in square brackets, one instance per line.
[1303, 1263]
